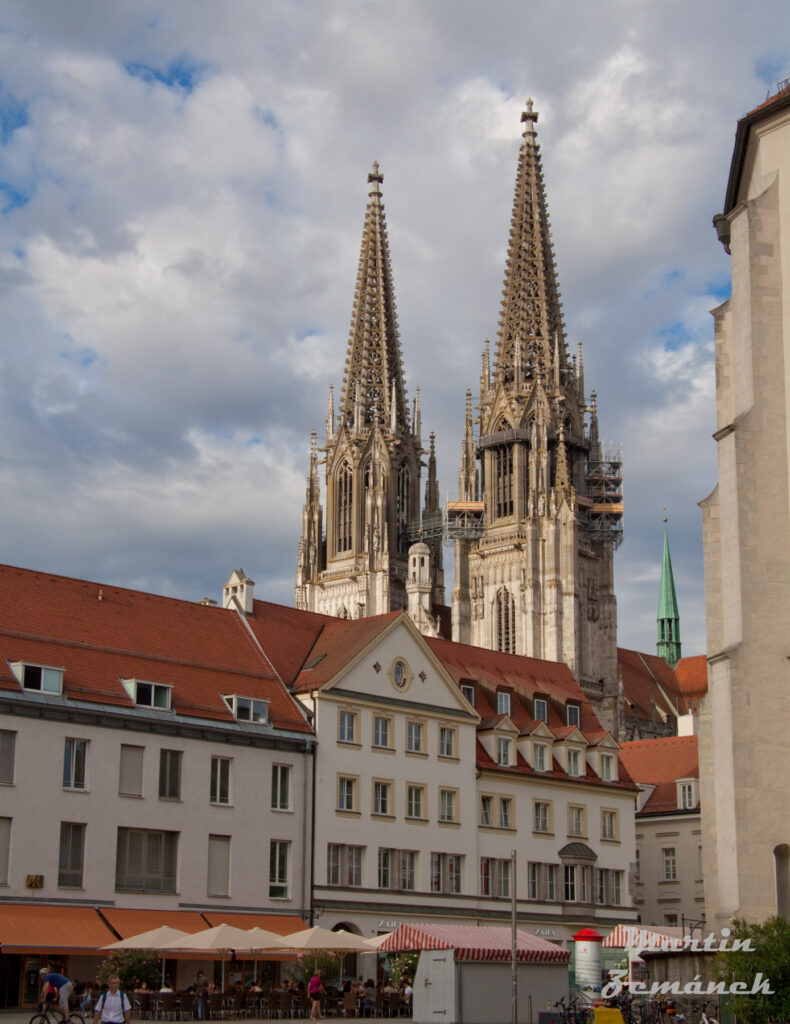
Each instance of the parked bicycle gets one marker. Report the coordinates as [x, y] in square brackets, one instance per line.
[572, 1011]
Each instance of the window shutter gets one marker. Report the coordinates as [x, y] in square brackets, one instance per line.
[219, 865]
[131, 773]
[5, 844]
[7, 744]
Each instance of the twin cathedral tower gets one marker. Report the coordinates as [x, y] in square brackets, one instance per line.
[539, 509]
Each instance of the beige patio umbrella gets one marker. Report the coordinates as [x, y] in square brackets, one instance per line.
[263, 941]
[222, 938]
[317, 939]
[377, 940]
[156, 939]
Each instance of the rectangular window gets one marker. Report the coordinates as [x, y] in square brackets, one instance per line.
[573, 715]
[616, 882]
[346, 794]
[169, 774]
[278, 869]
[551, 882]
[347, 727]
[130, 780]
[575, 821]
[71, 855]
[541, 816]
[446, 805]
[600, 889]
[220, 780]
[385, 877]
[574, 762]
[7, 748]
[485, 810]
[381, 798]
[541, 709]
[408, 859]
[146, 860]
[502, 703]
[5, 849]
[344, 865]
[539, 757]
[637, 867]
[503, 750]
[414, 737]
[281, 787]
[607, 767]
[608, 824]
[38, 677]
[669, 863]
[446, 742]
[218, 879]
[505, 812]
[494, 877]
[581, 875]
[686, 796]
[75, 755]
[151, 695]
[468, 690]
[533, 881]
[381, 732]
[414, 802]
[570, 883]
[671, 919]
[485, 876]
[247, 709]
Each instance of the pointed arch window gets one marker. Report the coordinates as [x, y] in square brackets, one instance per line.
[403, 503]
[345, 494]
[503, 481]
[505, 621]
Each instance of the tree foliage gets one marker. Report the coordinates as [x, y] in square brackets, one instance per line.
[305, 964]
[132, 966]
[770, 957]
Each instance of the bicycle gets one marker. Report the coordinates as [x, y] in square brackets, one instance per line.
[571, 1012]
[49, 1015]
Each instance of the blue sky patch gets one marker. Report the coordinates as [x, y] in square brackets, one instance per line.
[182, 74]
[720, 289]
[674, 335]
[13, 115]
[267, 117]
[12, 198]
[772, 69]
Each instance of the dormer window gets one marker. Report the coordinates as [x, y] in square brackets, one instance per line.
[687, 794]
[468, 690]
[539, 757]
[503, 702]
[503, 750]
[38, 677]
[607, 767]
[573, 715]
[541, 709]
[247, 709]
[574, 762]
[148, 695]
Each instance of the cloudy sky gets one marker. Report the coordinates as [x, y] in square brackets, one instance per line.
[183, 185]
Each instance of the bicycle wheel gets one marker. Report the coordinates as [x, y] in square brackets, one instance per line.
[76, 1018]
[39, 1018]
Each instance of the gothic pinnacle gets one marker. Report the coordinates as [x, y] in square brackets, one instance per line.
[529, 117]
[375, 178]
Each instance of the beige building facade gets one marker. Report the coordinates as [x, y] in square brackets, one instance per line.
[744, 755]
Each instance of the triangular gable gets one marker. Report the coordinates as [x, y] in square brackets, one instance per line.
[606, 742]
[502, 723]
[538, 730]
[570, 734]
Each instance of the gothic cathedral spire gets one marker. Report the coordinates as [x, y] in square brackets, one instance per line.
[373, 457]
[538, 579]
[668, 645]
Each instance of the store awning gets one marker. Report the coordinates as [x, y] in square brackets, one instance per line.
[282, 924]
[633, 936]
[40, 928]
[473, 942]
[127, 921]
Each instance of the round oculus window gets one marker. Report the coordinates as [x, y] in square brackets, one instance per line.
[399, 675]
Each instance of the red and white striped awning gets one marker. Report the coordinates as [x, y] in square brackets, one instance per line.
[472, 942]
[631, 936]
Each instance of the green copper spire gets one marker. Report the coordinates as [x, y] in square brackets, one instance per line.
[668, 646]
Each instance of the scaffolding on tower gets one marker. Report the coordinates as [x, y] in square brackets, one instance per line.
[601, 508]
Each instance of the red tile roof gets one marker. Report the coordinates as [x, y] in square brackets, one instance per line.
[650, 687]
[101, 634]
[692, 677]
[661, 762]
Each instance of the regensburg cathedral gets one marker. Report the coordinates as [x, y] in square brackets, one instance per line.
[539, 509]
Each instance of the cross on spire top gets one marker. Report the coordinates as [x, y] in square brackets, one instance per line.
[375, 177]
[529, 115]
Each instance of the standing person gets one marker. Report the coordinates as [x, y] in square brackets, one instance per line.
[113, 1006]
[62, 987]
[315, 989]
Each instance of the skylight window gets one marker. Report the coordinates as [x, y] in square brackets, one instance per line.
[38, 677]
[148, 695]
[248, 709]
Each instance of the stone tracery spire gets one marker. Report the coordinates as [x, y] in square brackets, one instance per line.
[374, 369]
[531, 307]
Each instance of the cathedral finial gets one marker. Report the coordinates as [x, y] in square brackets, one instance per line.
[580, 374]
[417, 423]
[530, 118]
[375, 178]
[330, 414]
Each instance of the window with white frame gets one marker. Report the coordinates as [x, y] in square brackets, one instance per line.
[600, 888]
[148, 695]
[468, 690]
[381, 798]
[573, 715]
[539, 757]
[344, 865]
[608, 824]
[218, 876]
[446, 872]
[447, 805]
[686, 796]
[381, 731]
[385, 869]
[494, 877]
[607, 767]
[347, 727]
[279, 852]
[414, 737]
[505, 812]
[415, 802]
[617, 877]
[281, 787]
[220, 781]
[540, 709]
[7, 750]
[248, 709]
[582, 877]
[542, 816]
[669, 864]
[346, 793]
[574, 761]
[75, 758]
[569, 873]
[130, 775]
[446, 741]
[576, 821]
[503, 746]
[502, 702]
[5, 848]
[407, 865]
[533, 881]
[146, 860]
[71, 855]
[485, 810]
[169, 774]
[396, 869]
[551, 882]
[38, 677]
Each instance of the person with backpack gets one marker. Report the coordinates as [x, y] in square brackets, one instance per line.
[113, 1006]
[51, 980]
